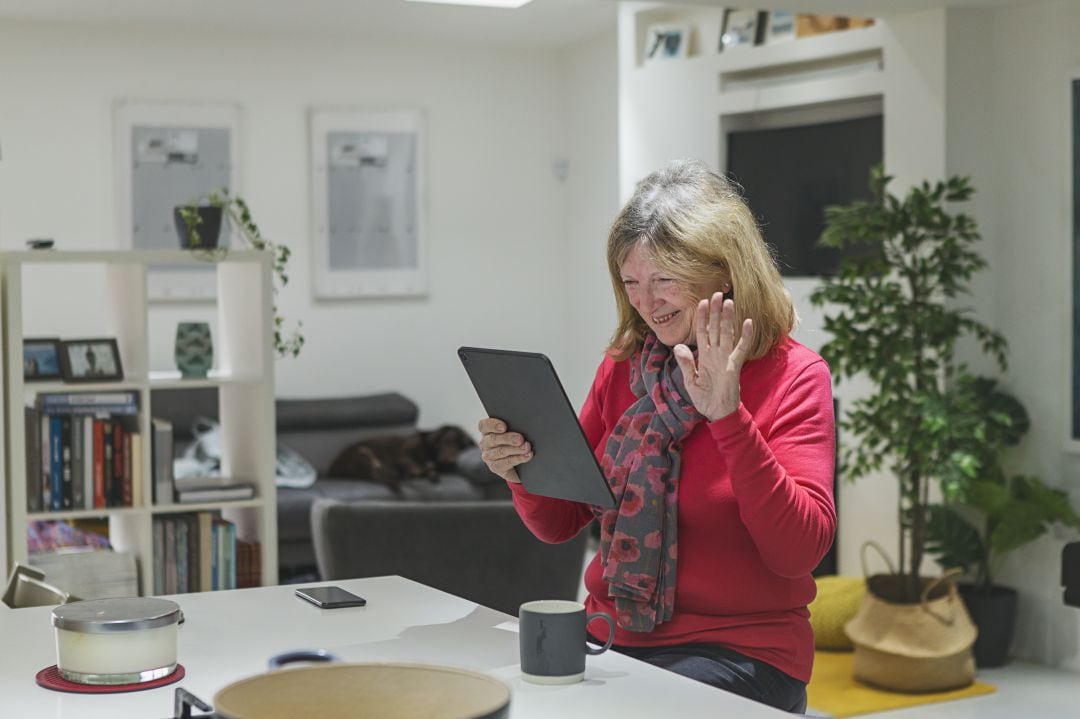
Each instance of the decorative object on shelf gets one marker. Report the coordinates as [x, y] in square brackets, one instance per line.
[90, 360]
[199, 227]
[368, 203]
[741, 28]
[780, 27]
[666, 42]
[806, 25]
[41, 359]
[165, 153]
[194, 350]
[40, 243]
[193, 220]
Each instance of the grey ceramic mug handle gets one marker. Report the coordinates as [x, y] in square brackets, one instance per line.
[611, 632]
[302, 655]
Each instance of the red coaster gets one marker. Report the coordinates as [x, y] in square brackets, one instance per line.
[50, 678]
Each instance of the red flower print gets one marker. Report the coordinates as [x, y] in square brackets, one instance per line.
[632, 501]
[656, 476]
[624, 548]
[653, 539]
[646, 583]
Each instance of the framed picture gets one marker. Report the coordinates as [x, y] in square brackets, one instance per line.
[166, 154]
[41, 359]
[369, 204]
[779, 27]
[666, 42]
[741, 28]
[90, 360]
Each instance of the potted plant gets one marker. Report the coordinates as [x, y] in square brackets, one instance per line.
[199, 225]
[892, 319]
[989, 513]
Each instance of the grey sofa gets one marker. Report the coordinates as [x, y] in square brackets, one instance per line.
[319, 429]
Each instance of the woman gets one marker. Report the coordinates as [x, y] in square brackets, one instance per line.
[719, 449]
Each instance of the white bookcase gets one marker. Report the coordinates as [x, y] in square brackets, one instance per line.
[244, 379]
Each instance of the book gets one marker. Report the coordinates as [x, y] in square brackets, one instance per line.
[182, 554]
[88, 403]
[135, 454]
[243, 490]
[99, 464]
[158, 531]
[78, 501]
[32, 428]
[45, 448]
[206, 547]
[65, 462]
[88, 461]
[162, 461]
[56, 475]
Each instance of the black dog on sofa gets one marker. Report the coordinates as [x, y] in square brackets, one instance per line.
[392, 459]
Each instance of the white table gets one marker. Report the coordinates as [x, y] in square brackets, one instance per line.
[229, 635]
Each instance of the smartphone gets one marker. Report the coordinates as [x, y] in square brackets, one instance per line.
[330, 597]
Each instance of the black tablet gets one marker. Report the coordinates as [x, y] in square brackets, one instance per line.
[522, 389]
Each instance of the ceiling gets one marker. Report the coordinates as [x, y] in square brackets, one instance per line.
[541, 23]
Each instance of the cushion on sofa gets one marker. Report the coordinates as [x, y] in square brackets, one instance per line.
[836, 603]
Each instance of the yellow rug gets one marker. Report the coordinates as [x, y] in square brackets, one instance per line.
[833, 690]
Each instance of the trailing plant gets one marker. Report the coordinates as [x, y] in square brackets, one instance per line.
[892, 316]
[238, 214]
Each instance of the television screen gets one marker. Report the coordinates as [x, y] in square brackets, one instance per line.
[789, 175]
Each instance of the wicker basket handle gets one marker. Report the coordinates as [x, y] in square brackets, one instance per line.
[881, 553]
[924, 598]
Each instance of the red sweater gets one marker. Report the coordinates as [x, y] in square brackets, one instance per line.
[756, 511]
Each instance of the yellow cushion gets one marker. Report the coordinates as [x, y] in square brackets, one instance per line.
[837, 601]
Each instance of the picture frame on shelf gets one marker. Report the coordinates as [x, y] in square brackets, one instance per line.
[90, 360]
[666, 42]
[41, 359]
[741, 28]
[166, 154]
[779, 27]
[369, 205]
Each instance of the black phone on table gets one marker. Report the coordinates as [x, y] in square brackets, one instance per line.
[330, 597]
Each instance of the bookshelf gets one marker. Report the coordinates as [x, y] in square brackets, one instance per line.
[111, 287]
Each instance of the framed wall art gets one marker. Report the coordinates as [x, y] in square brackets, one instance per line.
[368, 203]
[666, 42]
[168, 153]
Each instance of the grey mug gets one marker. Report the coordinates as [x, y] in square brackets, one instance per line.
[552, 640]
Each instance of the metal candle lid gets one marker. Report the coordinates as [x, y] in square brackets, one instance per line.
[106, 616]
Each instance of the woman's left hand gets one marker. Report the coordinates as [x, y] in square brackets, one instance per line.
[713, 381]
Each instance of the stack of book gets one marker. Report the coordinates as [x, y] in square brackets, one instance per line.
[198, 552]
[83, 451]
[192, 490]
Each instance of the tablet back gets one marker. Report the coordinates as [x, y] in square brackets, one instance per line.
[522, 389]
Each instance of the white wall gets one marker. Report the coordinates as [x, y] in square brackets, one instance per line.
[1017, 144]
[496, 120]
[591, 203]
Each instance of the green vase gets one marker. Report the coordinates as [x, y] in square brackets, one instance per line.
[194, 349]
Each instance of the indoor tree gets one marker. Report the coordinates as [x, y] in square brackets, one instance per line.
[893, 315]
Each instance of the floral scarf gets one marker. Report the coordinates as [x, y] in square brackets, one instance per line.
[642, 458]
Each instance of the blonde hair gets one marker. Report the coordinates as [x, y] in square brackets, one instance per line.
[696, 226]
